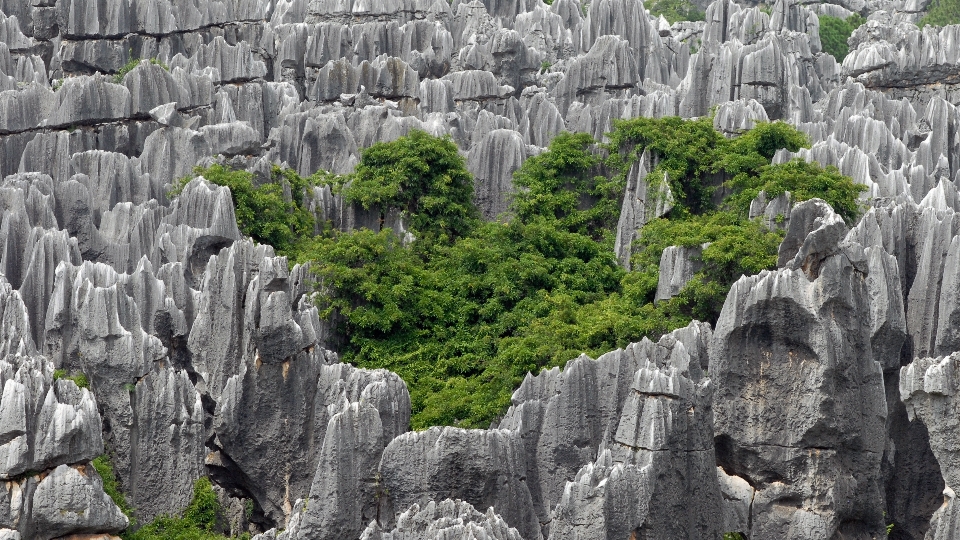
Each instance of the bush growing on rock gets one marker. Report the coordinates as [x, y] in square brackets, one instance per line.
[198, 522]
[263, 213]
[675, 10]
[79, 379]
[131, 65]
[421, 175]
[111, 486]
[804, 181]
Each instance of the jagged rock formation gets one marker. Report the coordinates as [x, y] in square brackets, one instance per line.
[52, 431]
[677, 266]
[207, 357]
[203, 349]
[811, 456]
[479, 466]
[890, 54]
[927, 387]
[620, 415]
[447, 519]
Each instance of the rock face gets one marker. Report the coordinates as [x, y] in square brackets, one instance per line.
[927, 387]
[204, 350]
[606, 437]
[677, 267]
[658, 478]
[482, 467]
[812, 456]
[366, 411]
[206, 356]
[52, 431]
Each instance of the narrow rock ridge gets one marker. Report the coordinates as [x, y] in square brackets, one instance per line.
[447, 519]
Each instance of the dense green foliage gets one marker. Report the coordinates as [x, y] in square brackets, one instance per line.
[263, 212]
[446, 314]
[674, 10]
[198, 522]
[421, 175]
[804, 181]
[834, 33]
[941, 13]
[464, 310]
[78, 378]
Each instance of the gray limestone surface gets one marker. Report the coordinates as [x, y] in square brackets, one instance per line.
[813, 454]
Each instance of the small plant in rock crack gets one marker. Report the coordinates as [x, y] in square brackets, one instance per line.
[78, 378]
[132, 64]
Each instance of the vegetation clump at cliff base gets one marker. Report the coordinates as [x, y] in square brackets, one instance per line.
[199, 520]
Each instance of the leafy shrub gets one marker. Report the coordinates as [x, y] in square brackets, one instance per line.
[423, 176]
[78, 378]
[675, 10]
[941, 13]
[262, 211]
[804, 181]
[834, 33]
[561, 187]
[687, 151]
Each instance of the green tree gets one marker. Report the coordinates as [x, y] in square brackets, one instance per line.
[263, 213]
[422, 175]
[685, 152]
[804, 181]
[941, 13]
[564, 187]
[834, 33]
